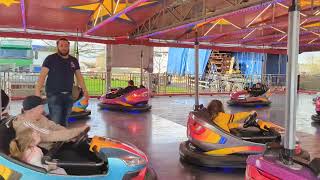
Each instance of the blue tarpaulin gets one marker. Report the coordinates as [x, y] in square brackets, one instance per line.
[276, 64]
[176, 61]
[250, 63]
[181, 61]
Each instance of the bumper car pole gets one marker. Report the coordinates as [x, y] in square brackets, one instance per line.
[291, 88]
[196, 66]
[108, 68]
[141, 67]
[0, 105]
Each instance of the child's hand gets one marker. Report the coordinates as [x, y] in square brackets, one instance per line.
[253, 112]
[52, 167]
[85, 127]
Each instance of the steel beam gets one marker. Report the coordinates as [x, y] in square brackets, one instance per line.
[114, 16]
[280, 37]
[23, 14]
[159, 25]
[178, 12]
[247, 30]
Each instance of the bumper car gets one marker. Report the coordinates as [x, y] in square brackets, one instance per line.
[251, 97]
[79, 109]
[268, 167]
[314, 100]
[316, 117]
[136, 100]
[98, 158]
[210, 146]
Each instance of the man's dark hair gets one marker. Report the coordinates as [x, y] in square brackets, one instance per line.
[4, 100]
[62, 39]
[131, 83]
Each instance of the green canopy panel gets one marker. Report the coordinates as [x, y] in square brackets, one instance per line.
[17, 62]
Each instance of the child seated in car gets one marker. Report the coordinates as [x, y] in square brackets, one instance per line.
[25, 148]
[224, 120]
[228, 121]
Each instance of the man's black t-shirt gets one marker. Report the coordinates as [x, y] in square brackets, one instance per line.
[61, 73]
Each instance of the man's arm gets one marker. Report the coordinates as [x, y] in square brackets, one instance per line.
[82, 84]
[52, 125]
[48, 135]
[42, 77]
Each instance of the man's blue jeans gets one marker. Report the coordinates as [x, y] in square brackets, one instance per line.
[60, 106]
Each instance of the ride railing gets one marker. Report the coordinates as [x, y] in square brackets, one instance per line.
[23, 84]
[310, 82]
[18, 84]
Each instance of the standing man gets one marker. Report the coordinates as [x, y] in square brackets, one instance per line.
[60, 69]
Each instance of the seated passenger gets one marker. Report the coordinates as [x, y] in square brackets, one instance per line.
[257, 90]
[50, 132]
[4, 103]
[224, 120]
[25, 148]
[228, 121]
[120, 92]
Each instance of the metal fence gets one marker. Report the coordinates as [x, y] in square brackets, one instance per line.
[23, 84]
[310, 82]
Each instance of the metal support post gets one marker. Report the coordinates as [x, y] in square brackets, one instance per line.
[141, 68]
[108, 67]
[291, 88]
[196, 72]
[0, 105]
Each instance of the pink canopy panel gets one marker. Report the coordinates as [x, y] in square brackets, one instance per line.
[228, 25]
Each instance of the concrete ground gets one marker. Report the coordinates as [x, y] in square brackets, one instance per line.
[159, 132]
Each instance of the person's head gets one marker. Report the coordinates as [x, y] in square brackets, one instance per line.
[214, 107]
[130, 83]
[23, 141]
[63, 46]
[4, 100]
[33, 105]
[258, 85]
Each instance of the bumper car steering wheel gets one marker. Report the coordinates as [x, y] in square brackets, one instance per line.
[56, 147]
[81, 137]
[251, 121]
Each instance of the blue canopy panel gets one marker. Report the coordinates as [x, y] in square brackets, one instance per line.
[181, 61]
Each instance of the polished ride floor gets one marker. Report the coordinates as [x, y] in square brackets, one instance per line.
[159, 132]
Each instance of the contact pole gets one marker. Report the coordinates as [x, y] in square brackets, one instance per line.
[196, 71]
[0, 104]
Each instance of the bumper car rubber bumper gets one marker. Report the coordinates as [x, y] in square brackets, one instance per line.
[248, 104]
[117, 107]
[192, 155]
[79, 115]
[150, 174]
[315, 118]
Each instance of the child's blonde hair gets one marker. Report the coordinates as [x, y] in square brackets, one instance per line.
[21, 143]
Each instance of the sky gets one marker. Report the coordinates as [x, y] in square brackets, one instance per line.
[309, 57]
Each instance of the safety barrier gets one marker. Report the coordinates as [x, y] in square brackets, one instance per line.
[23, 84]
